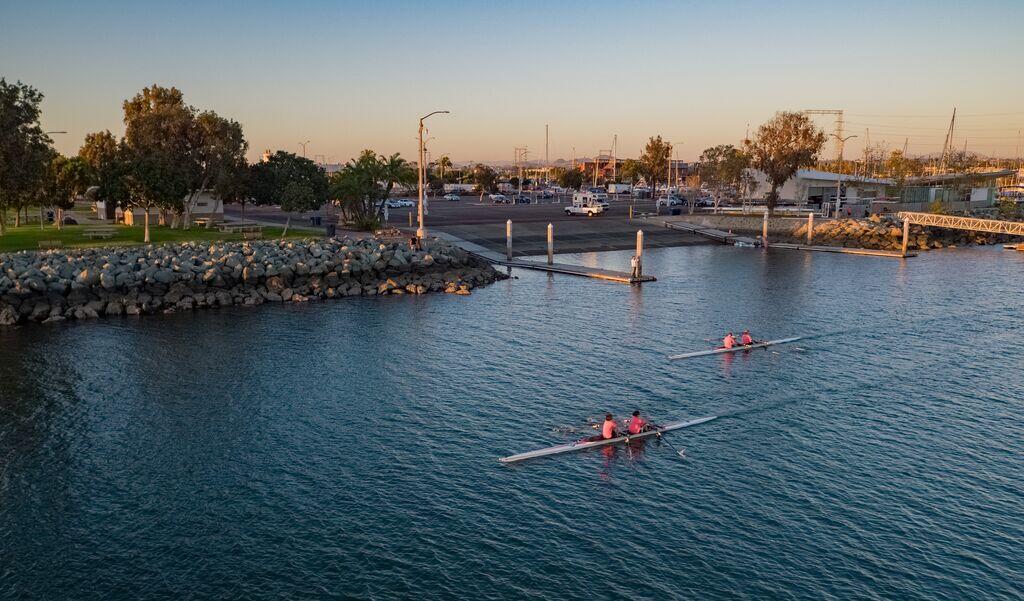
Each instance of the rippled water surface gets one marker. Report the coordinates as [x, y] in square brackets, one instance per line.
[349, 448]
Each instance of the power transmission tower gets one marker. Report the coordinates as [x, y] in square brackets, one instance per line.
[839, 126]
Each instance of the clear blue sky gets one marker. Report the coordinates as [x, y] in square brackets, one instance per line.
[354, 75]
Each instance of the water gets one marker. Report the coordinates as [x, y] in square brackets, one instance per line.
[348, 449]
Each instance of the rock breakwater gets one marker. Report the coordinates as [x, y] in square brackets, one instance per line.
[882, 233]
[88, 283]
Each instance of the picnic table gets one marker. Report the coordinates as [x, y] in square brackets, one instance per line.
[204, 221]
[234, 228]
[103, 231]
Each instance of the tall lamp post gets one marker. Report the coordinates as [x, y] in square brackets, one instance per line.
[839, 175]
[422, 230]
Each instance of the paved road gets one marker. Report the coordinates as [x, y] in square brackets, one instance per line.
[484, 224]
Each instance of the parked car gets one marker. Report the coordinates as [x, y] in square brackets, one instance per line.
[545, 194]
[498, 198]
[671, 201]
[398, 203]
[521, 199]
[584, 209]
[452, 197]
[704, 203]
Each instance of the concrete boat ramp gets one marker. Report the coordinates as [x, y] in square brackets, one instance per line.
[566, 268]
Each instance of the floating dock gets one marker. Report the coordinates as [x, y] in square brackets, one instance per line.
[893, 254]
[566, 268]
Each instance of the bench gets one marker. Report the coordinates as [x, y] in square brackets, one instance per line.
[252, 235]
[235, 228]
[43, 244]
[99, 232]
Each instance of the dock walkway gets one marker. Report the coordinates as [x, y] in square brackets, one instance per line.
[566, 268]
[705, 232]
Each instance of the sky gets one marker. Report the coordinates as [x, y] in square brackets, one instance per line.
[353, 75]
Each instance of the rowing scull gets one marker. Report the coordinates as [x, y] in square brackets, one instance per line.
[741, 347]
[579, 446]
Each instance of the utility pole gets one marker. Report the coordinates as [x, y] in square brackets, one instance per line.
[547, 157]
[839, 125]
[839, 175]
[421, 168]
[615, 152]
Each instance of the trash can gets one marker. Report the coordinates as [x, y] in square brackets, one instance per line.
[331, 229]
[676, 211]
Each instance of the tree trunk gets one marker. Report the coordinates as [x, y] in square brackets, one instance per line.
[772, 199]
[60, 218]
[40, 217]
[3, 221]
[17, 217]
[145, 238]
[243, 212]
[286, 224]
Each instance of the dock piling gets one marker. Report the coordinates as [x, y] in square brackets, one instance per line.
[638, 272]
[810, 229]
[551, 244]
[764, 229]
[906, 236]
[508, 239]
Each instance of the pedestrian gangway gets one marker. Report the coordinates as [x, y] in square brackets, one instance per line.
[954, 222]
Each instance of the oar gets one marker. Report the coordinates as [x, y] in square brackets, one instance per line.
[671, 446]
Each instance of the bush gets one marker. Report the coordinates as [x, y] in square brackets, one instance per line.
[366, 223]
[937, 207]
[1008, 209]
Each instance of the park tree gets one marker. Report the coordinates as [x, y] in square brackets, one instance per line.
[630, 170]
[722, 169]
[305, 183]
[159, 122]
[899, 167]
[485, 178]
[364, 185]
[654, 161]
[234, 184]
[152, 181]
[100, 153]
[71, 177]
[25, 150]
[781, 146]
[571, 179]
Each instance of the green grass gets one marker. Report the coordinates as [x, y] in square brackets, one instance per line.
[27, 237]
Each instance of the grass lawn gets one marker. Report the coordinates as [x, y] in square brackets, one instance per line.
[27, 237]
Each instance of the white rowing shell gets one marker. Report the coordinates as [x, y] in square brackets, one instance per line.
[719, 351]
[579, 446]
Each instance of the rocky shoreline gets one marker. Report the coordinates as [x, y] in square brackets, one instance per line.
[53, 286]
[881, 233]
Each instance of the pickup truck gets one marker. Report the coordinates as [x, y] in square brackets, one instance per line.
[584, 209]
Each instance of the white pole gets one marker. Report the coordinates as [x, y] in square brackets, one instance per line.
[810, 228]
[421, 231]
[508, 240]
[551, 244]
[639, 253]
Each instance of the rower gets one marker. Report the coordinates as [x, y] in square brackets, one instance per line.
[637, 424]
[608, 430]
[745, 339]
[729, 341]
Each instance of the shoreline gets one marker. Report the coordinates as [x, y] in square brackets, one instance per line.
[53, 286]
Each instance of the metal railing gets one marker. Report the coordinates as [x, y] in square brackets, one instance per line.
[964, 223]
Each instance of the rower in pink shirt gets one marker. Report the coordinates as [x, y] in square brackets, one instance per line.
[637, 424]
[729, 341]
[745, 339]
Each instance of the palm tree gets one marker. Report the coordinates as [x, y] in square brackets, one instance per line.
[393, 170]
[444, 163]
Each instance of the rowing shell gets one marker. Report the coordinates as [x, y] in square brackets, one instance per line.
[719, 351]
[579, 446]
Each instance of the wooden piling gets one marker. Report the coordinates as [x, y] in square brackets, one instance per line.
[639, 254]
[508, 239]
[764, 229]
[906, 236]
[810, 229]
[551, 244]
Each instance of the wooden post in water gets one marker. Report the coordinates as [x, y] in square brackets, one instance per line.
[810, 229]
[639, 271]
[906, 235]
[508, 240]
[551, 244]
[764, 229]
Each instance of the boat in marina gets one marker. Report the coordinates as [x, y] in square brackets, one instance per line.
[585, 444]
[737, 348]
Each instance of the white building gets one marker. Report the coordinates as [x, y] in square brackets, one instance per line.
[814, 187]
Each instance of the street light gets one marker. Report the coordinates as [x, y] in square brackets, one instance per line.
[839, 175]
[303, 145]
[422, 230]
